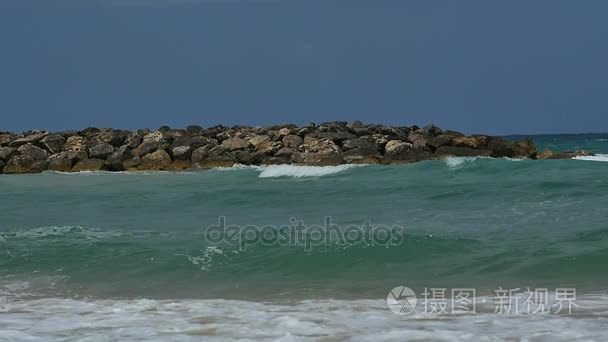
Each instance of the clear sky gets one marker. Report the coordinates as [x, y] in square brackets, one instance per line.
[486, 66]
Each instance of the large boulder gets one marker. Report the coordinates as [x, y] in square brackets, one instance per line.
[256, 140]
[6, 153]
[6, 138]
[234, 144]
[60, 162]
[24, 164]
[75, 143]
[116, 138]
[419, 138]
[360, 151]
[440, 140]
[501, 147]
[145, 147]
[93, 164]
[158, 160]
[318, 152]
[115, 161]
[34, 151]
[29, 139]
[53, 142]
[100, 149]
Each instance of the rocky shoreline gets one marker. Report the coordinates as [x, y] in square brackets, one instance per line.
[330, 143]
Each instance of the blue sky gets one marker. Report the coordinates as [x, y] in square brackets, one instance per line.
[487, 66]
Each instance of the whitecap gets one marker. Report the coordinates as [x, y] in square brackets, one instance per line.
[598, 157]
[298, 171]
[455, 162]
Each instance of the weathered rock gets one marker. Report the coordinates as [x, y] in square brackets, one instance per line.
[100, 149]
[181, 153]
[268, 147]
[6, 153]
[53, 142]
[145, 148]
[457, 151]
[233, 144]
[258, 139]
[88, 165]
[2, 166]
[6, 138]
[60, 162]
[158, 160]
[318, 152]
[418, 138]
[470, 142]
[360, 151]
[281, 133]
[397, 147]
[29, 139]
[75, 143]
[24, 164]
[284, 152]
[116, 138]
[503, 148]
[179, 165]
[546, 154]
[440, 140]
[34, 151]
[89, 132]
[115, 162]
[134, 139]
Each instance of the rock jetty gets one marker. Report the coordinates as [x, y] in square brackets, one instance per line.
[330, 143]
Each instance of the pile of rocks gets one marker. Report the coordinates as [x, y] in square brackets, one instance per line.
[329, 143]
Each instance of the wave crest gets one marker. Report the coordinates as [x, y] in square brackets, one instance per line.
[299, 171]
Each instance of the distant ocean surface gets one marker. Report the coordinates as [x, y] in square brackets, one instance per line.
[100, 256]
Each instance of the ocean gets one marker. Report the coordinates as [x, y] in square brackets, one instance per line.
[216, 255]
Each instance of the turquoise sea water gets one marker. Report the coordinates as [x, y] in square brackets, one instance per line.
[134, 247]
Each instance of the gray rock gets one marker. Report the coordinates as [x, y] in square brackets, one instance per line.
[6, 138]
[100, 150]
[256, 140]
[6, 153]
[145, 148]
[75, 143]
[60, 162]
[53, 142]
[181, 152]
[34, 151]
[418, 139]
[24, 164]
[233, 144]
[292, 141]
[284, 152]
[158, 160]
[115, 162]
[30, 139]
[318, 152]
[441, 140]
[115, 138]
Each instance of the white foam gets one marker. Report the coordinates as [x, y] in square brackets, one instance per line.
[55, 319]
[601, 139]
[455, 162]
[298, 171]
[597, 157]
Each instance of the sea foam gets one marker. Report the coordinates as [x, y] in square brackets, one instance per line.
[598, 157]
[298, 171]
